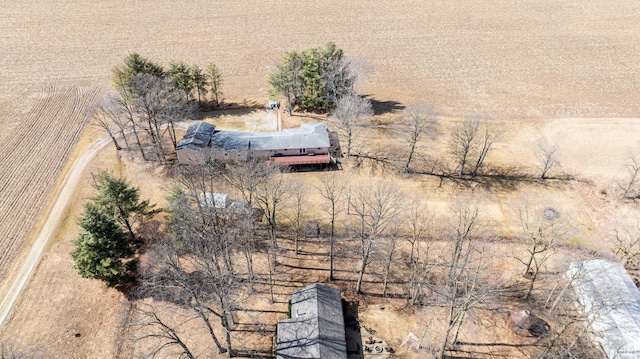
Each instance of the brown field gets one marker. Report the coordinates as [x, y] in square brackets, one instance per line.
[566, 71]
[32, 159]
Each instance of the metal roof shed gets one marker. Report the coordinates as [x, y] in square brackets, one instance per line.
[612, 302]
[316, 327]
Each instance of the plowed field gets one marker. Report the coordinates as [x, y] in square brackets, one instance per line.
[32, 158]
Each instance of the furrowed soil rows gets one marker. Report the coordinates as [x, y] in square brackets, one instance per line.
[32, 159]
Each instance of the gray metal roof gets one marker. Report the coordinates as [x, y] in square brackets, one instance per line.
[197, 135]
[612, 301]
[316, 327]
[308, 135]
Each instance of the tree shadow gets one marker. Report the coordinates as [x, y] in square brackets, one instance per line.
[228, 109]
[382, 107]
[494, 179]
[353, 335]
[252, 353]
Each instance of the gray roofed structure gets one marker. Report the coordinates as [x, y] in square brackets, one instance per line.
[316, 327]
[197, 135]
[308, 135]
[612, 302]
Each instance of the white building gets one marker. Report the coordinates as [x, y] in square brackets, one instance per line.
[612, 302]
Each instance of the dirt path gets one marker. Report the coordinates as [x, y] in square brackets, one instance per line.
[54, 218]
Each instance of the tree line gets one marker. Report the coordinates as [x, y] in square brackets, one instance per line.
[148, 100]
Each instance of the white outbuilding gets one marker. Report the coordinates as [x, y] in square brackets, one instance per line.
[612, 302]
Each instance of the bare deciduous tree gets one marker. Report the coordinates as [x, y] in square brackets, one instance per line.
[471, 142]
[390, 252]
[627, 246]
[465, 288]
[463, 227]
[298, 211]
[543, 229]
[332, 189]
[571, 336]
[418, 220]
[420, 274]
[351, 114]
[246, 177]
[167, 280]
[377, 206]
[150, 106]
[629, 185]
[546, 153]
[123, 100]
[110, 117]
[194, 267]
[166, 334]
[418, 121]
[270, 195]
[464, 285]
[339, 79]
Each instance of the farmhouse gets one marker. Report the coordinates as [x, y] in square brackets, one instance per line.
[316, 327]
[612, 302]
[307, 145]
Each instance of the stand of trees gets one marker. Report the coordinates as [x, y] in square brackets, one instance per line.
[313, 79]
[204, 264]
[148, 101]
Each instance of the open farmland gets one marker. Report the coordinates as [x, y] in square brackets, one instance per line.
[510, 59]
[32, 159]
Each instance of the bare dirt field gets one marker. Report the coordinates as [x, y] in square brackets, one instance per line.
[563, 71]
[32, 159]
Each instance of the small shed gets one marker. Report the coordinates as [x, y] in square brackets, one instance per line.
[213, 200]
[612, 302]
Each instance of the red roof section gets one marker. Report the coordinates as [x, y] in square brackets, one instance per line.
[301, 160]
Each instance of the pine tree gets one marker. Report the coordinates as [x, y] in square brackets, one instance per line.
[215, 82]
[105, 248]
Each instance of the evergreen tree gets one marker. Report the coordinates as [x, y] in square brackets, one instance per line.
[103, 250]
[313, 79]
[181, 77]
[200, 81]
[287, 81]
[118, 199]
[215, 82]
[134, 65]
